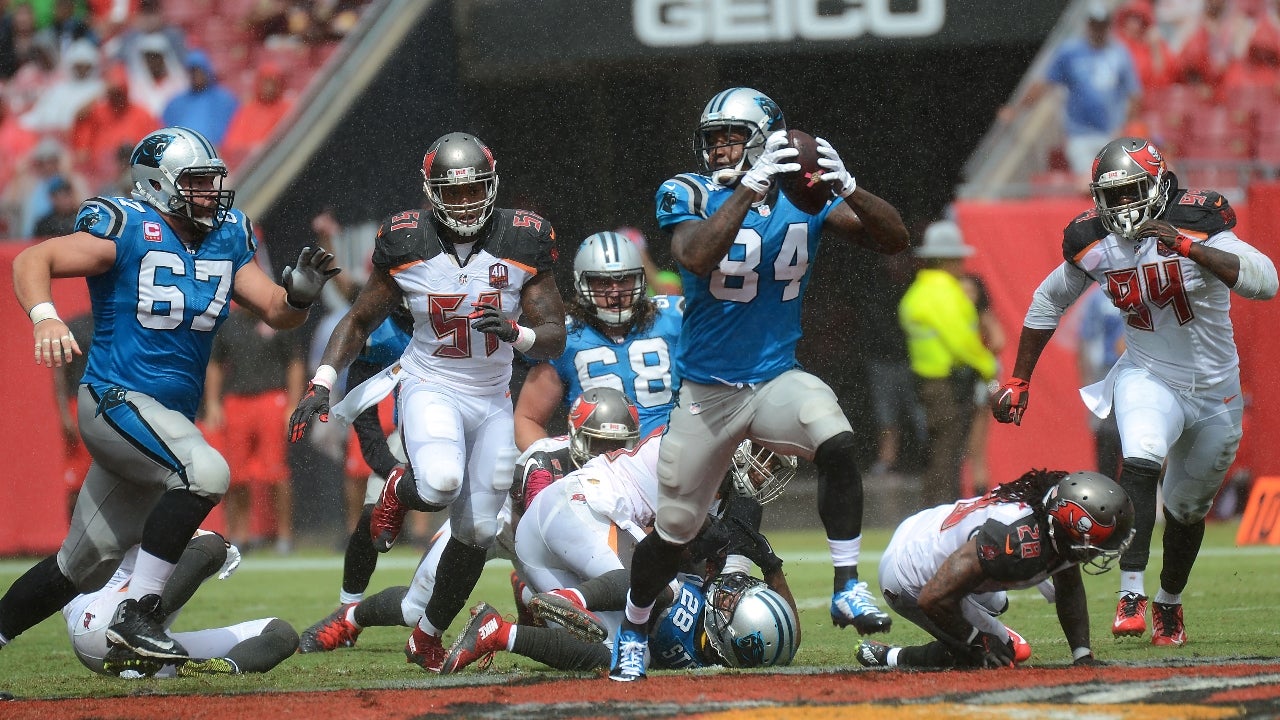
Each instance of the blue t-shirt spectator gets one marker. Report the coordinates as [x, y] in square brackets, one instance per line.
[1100, 82]
[207, 107]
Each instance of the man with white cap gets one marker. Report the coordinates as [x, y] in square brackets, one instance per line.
[941, 325]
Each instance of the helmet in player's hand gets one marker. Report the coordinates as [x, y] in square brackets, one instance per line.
[608, 276]
[748, 624]
[1090, 519]
[1130, 185]
[600, 420]
[750, 112]
[177, 171]
[460, 178]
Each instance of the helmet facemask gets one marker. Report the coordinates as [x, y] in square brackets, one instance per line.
[169, 164]
[737, 116]
[601, 420]
[1129, 185]
[608, 275]
[1090, 520]
[454, 161]
[204, 207]
[760, 473]
[748, 624]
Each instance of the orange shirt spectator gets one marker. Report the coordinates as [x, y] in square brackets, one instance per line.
[1135, 27]
[255, 119]
[1217, 43]
[1259, 73]
[109, 123]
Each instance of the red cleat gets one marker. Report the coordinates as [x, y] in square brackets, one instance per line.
[1131, 616]
[485, 634]
[425, 651]
[388, 514]
[1167, 627]
[1021, 648]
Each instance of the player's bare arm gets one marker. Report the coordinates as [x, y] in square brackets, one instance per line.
[263, 297]
[1073, 612]
[868, 220]
[543, 310]
[700, 245]
[79, 254]
[1224, 265]
[541, 393]
[376, 300]
[941, 597]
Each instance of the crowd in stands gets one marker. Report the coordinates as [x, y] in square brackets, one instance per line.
[82, 80]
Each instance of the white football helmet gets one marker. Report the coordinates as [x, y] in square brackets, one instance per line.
[612, 258]
[748, 624]
[749, 110]
[162, 166]
[460, 159]
[760, 473]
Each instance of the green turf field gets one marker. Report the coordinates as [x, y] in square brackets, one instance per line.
[1229, 608]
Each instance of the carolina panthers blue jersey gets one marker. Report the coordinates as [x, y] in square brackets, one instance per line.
[156, 310]
[673, 642]
[642, 366]
[385, 345]
[742, 322]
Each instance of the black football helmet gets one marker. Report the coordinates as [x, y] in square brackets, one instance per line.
[460, 159]
[600, 420]
[163, 165]
[1090, 519]
[1130, 185]
[748, 110]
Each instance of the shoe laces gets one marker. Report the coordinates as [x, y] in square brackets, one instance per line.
[1165, 617]
[631, 655]
[858, 597]
[1130, 603]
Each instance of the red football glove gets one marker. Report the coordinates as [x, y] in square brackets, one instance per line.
[1010, 401]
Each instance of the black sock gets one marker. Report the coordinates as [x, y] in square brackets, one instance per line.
[844, 573]
[382, 609]
[653, 565]
[39, 593]
[172, 522]
[459, 570]
[930, 655]
[558, 649]
[839, 488]
[276, 643]
[1139, 477]
[1181, 548]
[606, 592]
[361, 558]
[202, 558]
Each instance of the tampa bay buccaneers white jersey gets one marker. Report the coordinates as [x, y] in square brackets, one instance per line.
[443, 283]
[623, 484]
[1177, 313]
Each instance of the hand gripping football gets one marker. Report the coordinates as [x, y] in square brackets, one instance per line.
[805, 188]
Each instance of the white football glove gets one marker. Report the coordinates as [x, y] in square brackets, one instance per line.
[760, 176]
[836, 173]
[231, 563]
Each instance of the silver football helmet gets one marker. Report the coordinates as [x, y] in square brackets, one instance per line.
[460, 159]
[600, 420]
[163, 166]
[748, 624]
[748, 110]
[613, 262]
[760, 473]
[1130, 185]
[1090, 519]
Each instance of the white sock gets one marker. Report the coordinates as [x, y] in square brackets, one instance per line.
[425, 626]
[892, 658]
[511, 638]
[351, 616]
[1133, 582]
[150, 573]
[638, 615]
[1168, 598]
[845, 552]
[345, 597]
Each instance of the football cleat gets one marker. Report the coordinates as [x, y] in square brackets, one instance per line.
[139, 625]
[330, 633]
[872, 654]
[523, 614]
[128, 664]
[485, 634]
[388, 514]
[212, 666]
[1021, 648]
[565, 607]
[630, 651]
[1167, 627]
[1131, 616]
[854, 606]
[425, 651]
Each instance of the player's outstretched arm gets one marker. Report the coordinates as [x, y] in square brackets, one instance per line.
[541, 393]
[285, 307]
[79, 254]
[870, 221]
[543, 309]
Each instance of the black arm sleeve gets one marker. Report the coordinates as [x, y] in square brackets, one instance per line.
[368, 427]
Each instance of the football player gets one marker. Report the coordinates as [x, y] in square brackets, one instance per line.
[617, 337]
[468, 270]
[161, 267]
[1168, 258]
[251, 646]
[947, 568]
[746, 254]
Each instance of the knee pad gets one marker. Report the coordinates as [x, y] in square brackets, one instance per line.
[208, 473]
[677, 525]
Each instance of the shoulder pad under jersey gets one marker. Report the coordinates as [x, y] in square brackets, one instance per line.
[522, 236]
[1201, 211]
[1085, 230]
[405, 237]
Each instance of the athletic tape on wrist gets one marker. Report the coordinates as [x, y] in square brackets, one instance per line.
[1077, 653]
[326, 376]
[525, 339]
[41, 312]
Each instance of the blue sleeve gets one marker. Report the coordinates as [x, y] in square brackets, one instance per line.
[683, 197]
[101, 217]
[1057, 72]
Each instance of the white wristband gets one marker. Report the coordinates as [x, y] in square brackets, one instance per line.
[1080, 652]
[525, 339]
[847, 190]
[326, 376]
[43, 311]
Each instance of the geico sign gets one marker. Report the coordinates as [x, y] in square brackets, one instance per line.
[723, 22]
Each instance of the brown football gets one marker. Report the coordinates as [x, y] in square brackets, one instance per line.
[803, 188]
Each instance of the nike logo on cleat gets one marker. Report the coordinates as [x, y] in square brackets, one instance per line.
[487, 629]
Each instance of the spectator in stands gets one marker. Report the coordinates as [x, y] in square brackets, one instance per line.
[17, 35]
[68, 25]
[38, 69]
[59, 104]
[26, 198]
[943, 342]
[206, 107]
[120, 182]
[108, 123]
[15, 142]
[1258, 76]
[254, 121]
[61, 219]
[1217, 43]
[156, 74]
[148, 23]
[1101, 86]
[1135, 26]
[254, 380]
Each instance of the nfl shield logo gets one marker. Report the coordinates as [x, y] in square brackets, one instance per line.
[498, 277]
[151, 231]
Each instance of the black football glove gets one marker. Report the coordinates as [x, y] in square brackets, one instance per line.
[488, 319]
[1167, 235]
[303, 283]
[742, 519]
[989, 651]
[1010, 401]
[712, 543]
[314, 402]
